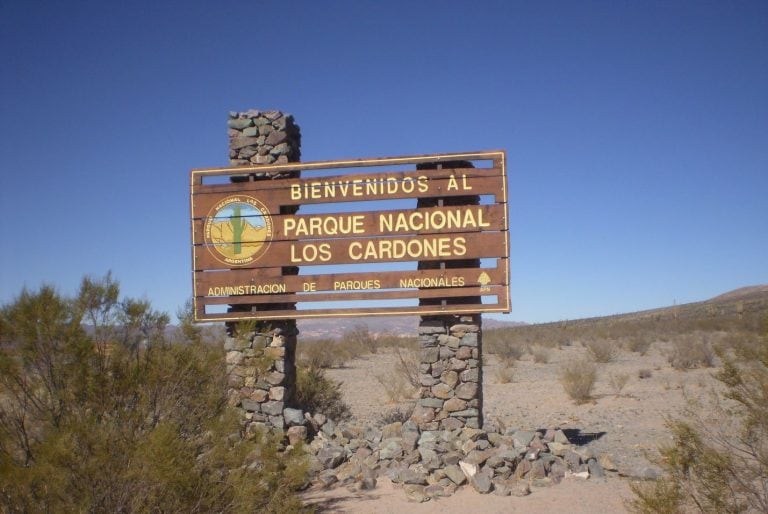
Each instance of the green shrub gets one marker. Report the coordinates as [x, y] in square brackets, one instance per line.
[316, 393]
[117, 419]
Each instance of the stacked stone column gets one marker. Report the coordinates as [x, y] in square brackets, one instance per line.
[450, 373]
[261, 356]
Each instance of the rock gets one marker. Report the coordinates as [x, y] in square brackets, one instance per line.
[435, 491]
[415, 493]
[411, 476]
[538, 470]
[519, 488]
[239, 123]
[558, 449]
[331, 456]
[250, 405]
[455, 404]
[296, 434]
[455, 474]
[466, 391]
[464, 328]
[581, 474]
[443, 391]
[277, 393]
[390, 449]
[606, 461]
[560, 437]
[275, 378]
[470, 375]
[469, 469]
[272, 408]
[481, 482]
[522, 438]
[572, 460]
[294, 417]
[500, 488]
[434, 403]
[430, 355]
[423, 415]
[469, 340]
[327, 478]
[368, 483]
[468, 413]
[595, 469]
[585, 452]
[391, 430]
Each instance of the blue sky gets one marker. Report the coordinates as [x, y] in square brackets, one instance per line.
[636, 131]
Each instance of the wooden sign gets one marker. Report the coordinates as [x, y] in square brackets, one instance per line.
[417, 235]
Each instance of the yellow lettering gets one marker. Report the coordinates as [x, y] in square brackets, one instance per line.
[452, 184]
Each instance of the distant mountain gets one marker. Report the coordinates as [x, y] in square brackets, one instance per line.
[395, 325]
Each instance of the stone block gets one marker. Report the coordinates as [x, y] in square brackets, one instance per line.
[442, 391]
[430, 355]
[454, 405]
[294, 417]
[272, 408]
[466, 391]
[469, 340]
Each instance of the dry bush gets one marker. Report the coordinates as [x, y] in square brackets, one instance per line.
[505, 350]
[540, 354]
[618, 381]
[601, 350]
[578, 378]
[407, 366]
[640, 343]
[504, 373]
[395, 387]
[644, 373]
[718, 467]
[401, 413]
[359, 336]
[691, 351]
[323, 354]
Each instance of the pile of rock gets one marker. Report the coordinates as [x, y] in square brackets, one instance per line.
[430, 464]
[263, 137]
[450, 374]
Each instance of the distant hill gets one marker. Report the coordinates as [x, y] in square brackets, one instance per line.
[743, 305]
[395, 325]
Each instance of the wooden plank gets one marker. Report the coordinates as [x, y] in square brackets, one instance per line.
[266, 278]
[346, 181]
[433, 220]
[203, 203]
[471, 308]
[491, 155]
[361, 250]
[345, 296]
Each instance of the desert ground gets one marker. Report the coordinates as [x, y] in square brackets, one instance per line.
[625, 422]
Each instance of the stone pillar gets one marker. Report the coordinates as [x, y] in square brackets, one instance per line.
[450, 373]
[261, 356]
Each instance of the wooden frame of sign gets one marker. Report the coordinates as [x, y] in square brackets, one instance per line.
[362, 244]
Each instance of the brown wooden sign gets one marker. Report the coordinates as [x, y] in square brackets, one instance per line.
[417, 235]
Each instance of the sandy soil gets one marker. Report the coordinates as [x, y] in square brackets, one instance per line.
[627, 425]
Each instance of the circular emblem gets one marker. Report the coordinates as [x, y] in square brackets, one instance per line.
[238, 230]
